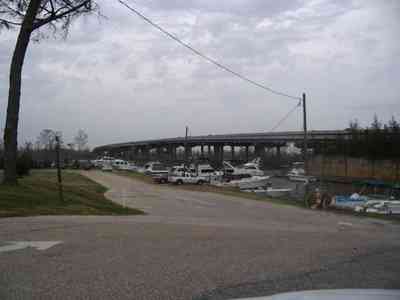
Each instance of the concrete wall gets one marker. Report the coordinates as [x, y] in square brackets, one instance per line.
[354, 167]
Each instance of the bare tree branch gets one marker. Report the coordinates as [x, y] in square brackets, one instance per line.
[41, 22]
[5, 22]
[52, 7]
[55, 14]
[13, 10]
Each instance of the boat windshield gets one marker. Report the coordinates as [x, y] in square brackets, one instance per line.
[250, 167]
[207, 171]
[159, 167]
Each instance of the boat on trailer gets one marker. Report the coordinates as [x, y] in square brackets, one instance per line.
[253, 182]
[299, 175]
[271, 192]
[277, 192]
[251, 168]
[374, 197]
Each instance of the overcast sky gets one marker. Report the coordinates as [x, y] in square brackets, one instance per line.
[120, 79]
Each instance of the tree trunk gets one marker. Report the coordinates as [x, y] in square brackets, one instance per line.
[14, 94]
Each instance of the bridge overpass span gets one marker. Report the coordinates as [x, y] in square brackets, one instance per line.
[213, 145]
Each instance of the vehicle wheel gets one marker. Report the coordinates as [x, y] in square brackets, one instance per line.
[200, 182]
[179, 181]
[163, 180]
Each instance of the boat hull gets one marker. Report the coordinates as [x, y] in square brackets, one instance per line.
[277, 192]
[301, 178]
[253, 183]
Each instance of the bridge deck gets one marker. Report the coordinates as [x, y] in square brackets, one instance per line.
[232, 139]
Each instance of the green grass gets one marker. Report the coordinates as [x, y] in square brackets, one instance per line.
[37, 194]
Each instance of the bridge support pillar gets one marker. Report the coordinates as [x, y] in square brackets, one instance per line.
[218, 154]
[171, 152]
[259, 150]
[188, 152]
[145, 153]
[174, 152]
[159, 152]
[247, 153]
[202, 150]
[135, 153]
[232, 152]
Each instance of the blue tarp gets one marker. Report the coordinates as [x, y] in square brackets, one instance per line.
[347, 201]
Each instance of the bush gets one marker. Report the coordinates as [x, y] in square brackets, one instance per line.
[24, 164]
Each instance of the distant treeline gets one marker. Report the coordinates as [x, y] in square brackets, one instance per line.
[42, 153]
[377, 141]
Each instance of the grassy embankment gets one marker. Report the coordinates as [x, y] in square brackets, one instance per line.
[37, 194]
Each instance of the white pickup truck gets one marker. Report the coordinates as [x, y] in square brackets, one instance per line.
[188, 177]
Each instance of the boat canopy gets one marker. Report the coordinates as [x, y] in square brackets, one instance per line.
[377, 184]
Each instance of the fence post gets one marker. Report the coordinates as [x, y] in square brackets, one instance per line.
[59, 179]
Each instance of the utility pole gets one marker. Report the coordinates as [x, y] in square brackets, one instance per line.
[186, 148]
[59, 179]
[305, 154]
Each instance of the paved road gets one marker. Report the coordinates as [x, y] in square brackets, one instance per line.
[195, 245]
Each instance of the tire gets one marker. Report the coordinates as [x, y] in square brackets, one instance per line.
[163, 180]
[200, 182]
[179, 181]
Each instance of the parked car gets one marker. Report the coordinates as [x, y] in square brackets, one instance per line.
[120, 164]
[154, 168]
[160, 178]
[107, 166]
[85, 164]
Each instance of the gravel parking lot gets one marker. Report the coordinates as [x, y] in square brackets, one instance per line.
[194, 245]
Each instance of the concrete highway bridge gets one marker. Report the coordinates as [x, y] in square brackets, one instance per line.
[214, 146]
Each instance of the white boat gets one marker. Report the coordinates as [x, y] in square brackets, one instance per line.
[251, 168]
[386, 207]
[271, 192]
[344, 294]
[299, 175]
[256, 161]
[277, 192]
[253, 182]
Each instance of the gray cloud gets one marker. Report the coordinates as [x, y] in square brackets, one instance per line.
[239, 7]
[120, 79]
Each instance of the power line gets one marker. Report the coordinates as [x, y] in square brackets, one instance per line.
[286, 116]
[197, 52]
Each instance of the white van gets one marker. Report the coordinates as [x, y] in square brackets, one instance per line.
[120, 164]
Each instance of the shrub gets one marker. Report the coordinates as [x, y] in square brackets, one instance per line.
[24, 164]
